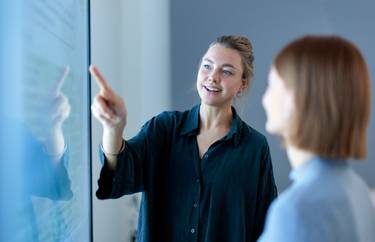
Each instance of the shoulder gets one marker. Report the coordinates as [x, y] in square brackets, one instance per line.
[168, 120]
[290, 203]
[252, 143]
[253, 137]
[300, 218]
[254, 149]
[171, 117]
[308, 196]
[168, 117]
[312, 201]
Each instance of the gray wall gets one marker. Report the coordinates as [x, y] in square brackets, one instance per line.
[132, 45]
[270, 25]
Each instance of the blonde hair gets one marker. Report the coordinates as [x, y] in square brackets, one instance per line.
[244, 48]
[331, 84]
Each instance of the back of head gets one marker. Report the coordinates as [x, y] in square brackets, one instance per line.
[331, 85]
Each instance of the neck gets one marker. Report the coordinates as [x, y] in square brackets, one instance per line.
[297, 156]
[215, 117]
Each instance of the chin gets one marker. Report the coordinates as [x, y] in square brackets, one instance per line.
[210, 103]
[215, 102]
[273, 129]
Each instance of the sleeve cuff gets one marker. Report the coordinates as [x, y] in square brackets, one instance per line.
[103, 154]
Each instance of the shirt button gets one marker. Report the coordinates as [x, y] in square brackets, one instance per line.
[197, 180]
[192, 230]
[205, 156]
[195, 205]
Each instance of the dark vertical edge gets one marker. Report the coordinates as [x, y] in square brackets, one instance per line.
[89, 117]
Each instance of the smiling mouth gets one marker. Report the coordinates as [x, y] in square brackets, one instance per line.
[212, 89]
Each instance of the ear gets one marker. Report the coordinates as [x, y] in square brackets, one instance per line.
[290, 104]
[245, 85]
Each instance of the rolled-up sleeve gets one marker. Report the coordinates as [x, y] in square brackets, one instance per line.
[134, 163]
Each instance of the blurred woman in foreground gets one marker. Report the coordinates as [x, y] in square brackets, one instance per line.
[318, 101]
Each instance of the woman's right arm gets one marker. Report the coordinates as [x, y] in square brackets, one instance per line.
[110, 110]
[128, 166]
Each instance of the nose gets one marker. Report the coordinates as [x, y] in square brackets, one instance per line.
[264, 100]
[214, 76]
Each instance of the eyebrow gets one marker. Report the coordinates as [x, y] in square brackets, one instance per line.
[225, 65]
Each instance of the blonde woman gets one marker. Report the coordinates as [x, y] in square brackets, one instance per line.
[205, 174]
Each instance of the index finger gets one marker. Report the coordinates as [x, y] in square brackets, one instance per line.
[60, 82]
[103, 84]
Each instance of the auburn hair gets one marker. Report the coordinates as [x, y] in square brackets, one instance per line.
[331, 85]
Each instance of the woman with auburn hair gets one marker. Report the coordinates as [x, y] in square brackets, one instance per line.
[318, 101]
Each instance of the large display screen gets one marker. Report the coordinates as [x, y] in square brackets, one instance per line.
[45, 183]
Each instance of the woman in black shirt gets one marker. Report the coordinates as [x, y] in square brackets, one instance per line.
[205, 174]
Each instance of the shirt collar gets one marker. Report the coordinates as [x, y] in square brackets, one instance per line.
[191, 125]
[235, 130]
[314, 165]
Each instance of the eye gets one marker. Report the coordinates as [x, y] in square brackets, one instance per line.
[227, 72]
[206, 66]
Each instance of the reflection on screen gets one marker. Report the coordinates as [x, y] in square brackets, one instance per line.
[44, 121]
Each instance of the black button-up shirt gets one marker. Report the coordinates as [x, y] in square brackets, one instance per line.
[222, 197]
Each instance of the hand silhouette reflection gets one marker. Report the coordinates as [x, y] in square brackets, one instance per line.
[34, 162]
[55, 109]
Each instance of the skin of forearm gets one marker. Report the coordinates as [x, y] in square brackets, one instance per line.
[112, 143]
[55, 145]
